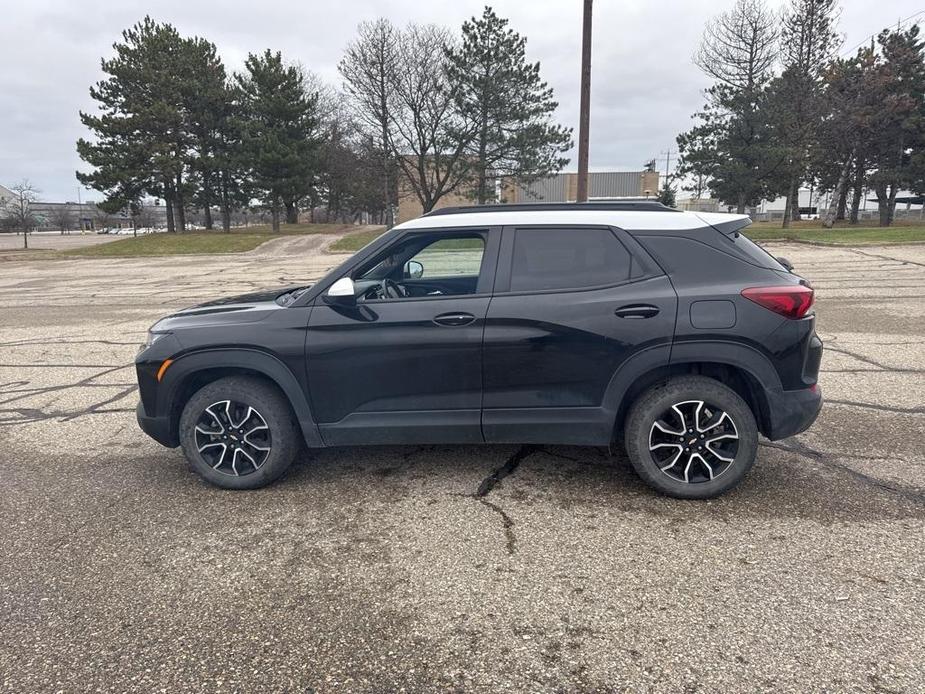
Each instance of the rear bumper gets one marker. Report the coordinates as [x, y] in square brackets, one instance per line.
[791, 411]
[158, 428]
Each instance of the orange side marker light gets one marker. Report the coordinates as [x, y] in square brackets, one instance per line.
[160, 371]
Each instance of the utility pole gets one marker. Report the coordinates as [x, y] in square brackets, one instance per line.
[668, 163]
[584, 115]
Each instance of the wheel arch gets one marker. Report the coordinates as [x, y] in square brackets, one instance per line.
[748, 372]
[190, 372]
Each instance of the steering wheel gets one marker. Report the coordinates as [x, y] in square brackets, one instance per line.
[391, 290]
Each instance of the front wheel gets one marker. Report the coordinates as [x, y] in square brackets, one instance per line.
[238, 433]
[694, 438]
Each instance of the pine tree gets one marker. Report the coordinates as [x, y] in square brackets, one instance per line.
[206, 101]
[140, 143]
[280, 135]
[508, 104]
[899, 124]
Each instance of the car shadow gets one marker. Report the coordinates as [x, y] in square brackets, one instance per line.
[784, 483]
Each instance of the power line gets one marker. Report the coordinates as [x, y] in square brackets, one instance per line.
[901, 23]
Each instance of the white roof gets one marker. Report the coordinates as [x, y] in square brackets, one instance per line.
[630, 220]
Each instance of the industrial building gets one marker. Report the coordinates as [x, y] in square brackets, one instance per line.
[560, 187]
[84, 216]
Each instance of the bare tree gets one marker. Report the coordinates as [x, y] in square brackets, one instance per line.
[63, 219]
[429, 137]
[739, 47]
[808, 41]
[370, 68]
[102, 219]
[18, 209]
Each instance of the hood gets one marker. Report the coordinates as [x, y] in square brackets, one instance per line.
[243, 308]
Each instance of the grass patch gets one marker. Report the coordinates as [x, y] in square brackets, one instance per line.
[354, 242]
[200, 242]
[851, 236]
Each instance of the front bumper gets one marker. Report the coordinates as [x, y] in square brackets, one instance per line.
[158, 428]
[791, 411]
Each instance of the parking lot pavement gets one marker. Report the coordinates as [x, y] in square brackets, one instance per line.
[54, 241]
[380, 569]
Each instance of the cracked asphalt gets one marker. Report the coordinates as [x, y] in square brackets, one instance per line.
[449, 568]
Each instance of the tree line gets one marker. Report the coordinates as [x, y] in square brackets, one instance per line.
[449, 114]
[785, 110]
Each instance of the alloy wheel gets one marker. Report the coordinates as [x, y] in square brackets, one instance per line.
[233, 438]
[693, 442]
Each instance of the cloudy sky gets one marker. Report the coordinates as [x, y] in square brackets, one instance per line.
[644, 87]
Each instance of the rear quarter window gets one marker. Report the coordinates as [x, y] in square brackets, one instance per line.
[752, 252]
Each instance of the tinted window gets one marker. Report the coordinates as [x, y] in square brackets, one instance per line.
[567, 259]
[755, 253]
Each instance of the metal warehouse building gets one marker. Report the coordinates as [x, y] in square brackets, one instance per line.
[561, 187]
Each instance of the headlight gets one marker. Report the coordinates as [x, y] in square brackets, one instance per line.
[153, 337]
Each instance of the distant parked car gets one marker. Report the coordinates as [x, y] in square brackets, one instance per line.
[575, 324]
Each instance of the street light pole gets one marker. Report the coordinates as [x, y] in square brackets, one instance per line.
[585, 105]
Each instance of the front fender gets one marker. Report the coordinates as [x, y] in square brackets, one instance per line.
[254, 360]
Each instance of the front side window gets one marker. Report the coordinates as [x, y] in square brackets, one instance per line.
[567, 259]
[425, 265]
[458, 257]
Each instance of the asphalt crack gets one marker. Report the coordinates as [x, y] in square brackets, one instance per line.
[879, 408]
[493, 480]
[509, 536]
[871, 362]
[911, 493]
[886, 257]
[500, 473]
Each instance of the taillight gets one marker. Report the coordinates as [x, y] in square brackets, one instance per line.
[792, 301]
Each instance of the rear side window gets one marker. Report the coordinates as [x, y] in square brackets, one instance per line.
[567, 259]
[754, 253]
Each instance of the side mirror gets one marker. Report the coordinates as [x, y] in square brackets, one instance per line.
[343, 291]
[413, 270]
[786, 263]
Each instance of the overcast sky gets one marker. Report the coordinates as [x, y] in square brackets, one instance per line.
[643, 88]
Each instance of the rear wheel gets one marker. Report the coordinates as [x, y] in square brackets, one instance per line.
[238, 433]
[694, 438]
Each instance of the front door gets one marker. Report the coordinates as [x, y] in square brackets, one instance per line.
[405, 364]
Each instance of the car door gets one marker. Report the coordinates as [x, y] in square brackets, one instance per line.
[406, 369]
[571, 306]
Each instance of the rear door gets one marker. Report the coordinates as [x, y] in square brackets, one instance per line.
[571, 306]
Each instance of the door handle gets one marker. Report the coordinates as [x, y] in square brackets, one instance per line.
[454, 320]
[636, 311]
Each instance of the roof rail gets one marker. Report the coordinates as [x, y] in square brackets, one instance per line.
[602, 205]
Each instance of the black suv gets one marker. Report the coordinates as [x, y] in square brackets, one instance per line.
[583, 324]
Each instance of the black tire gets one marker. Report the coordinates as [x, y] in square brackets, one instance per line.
[700, 471]
[258, 456]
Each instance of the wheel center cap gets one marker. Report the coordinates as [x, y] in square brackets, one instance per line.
[692, 442]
